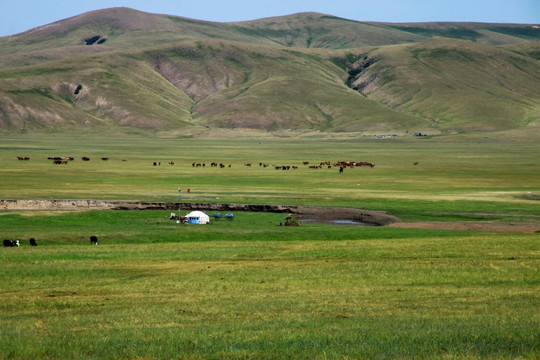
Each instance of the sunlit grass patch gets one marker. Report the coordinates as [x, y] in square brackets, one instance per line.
[461, 296]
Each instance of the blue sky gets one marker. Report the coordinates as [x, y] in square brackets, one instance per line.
[21, 15]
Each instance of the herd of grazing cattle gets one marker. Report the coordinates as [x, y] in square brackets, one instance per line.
[32, 242]
[64, 159]
[338, 164]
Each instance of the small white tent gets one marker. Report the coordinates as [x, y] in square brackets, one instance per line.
[197, 217]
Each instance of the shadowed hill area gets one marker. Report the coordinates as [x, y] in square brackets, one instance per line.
[132, 71]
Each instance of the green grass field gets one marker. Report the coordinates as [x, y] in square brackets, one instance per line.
[249, 288]
[455, 175]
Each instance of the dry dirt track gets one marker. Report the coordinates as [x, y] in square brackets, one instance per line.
[483, 226]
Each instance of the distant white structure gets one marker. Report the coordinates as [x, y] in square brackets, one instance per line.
[197, 217]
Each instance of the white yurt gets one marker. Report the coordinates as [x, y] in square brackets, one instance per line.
[197, 217]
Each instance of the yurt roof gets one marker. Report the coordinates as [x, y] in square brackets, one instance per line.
[196, 214]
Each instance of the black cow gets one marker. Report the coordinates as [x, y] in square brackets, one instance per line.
[11, 243]
[93, 240]
[33, 242]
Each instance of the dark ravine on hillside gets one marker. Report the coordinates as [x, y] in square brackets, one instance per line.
[327, 213]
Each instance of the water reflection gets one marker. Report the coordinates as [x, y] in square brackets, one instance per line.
[334, 222]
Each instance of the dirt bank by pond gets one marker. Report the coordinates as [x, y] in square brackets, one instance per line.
[313, 212]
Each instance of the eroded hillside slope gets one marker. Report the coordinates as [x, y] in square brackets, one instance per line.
[132, 71]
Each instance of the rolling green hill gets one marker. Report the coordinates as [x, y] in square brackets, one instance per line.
[124, 71]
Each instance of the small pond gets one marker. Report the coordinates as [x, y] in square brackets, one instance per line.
[334, 222]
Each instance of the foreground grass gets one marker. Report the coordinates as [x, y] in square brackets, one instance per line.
[250, 288]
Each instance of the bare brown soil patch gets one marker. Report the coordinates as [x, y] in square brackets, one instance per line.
[483, 226]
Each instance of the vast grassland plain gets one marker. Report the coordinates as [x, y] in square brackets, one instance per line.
[458, 174]
[249, 288]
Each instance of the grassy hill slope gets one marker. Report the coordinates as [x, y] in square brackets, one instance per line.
[127, 70]
[210, 83]
[457, 84]
[270, 88]
[113, 89]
